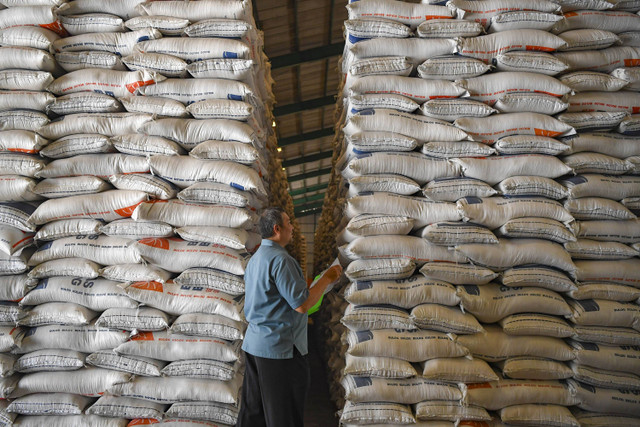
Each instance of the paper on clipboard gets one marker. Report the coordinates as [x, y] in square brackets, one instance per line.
[335, 262]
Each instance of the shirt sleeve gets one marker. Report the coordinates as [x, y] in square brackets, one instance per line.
[290, 282]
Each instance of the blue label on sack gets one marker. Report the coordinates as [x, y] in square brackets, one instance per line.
[45, 247]
[361, 286]
[238, 186]
[229, 55]
[354, 39]
[142, 39]
[362, 381]
[367, 112]
[472, 200]
[577, 179]
[234, 97]
[472, 289]
[42, 284]
[590, 346]
[364, 336]
[588, 305]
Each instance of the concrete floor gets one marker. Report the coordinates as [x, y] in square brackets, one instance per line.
[319, 410]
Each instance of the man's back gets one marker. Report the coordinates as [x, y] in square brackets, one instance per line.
[275, 286]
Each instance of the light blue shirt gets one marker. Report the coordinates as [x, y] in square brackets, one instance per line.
[274, 288]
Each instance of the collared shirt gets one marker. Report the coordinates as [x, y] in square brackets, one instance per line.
[274, 288]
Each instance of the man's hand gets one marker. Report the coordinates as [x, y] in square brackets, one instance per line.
[330, 276]
[333, 273]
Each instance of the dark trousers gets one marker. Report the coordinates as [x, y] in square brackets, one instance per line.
[274, 391]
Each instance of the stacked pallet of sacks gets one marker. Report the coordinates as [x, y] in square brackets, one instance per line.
[134, 144]
[490, 232]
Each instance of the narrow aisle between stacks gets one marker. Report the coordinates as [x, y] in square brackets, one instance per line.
[319, 411]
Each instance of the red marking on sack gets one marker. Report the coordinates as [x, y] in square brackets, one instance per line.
[22, 150]
[29, 237]
[143, 336]
[635, 110]
[155, 242]
[545, 132]
[128, 211]
[539, 48]
[478, 385]
[131, 87]
[570, 14]
[557, 95]
[632, 62]
[57, 28]
[428, 17]
[148, 286]
[142, 422]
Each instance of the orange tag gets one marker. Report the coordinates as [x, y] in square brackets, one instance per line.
[131, 87]
[128, 211]
[142, 422]
[143, 336]
[540, 48]
[545, 132]
[155, 242]
[149, 286]
[428, 17]
[22, 150]
[57, 28]
[478, 385]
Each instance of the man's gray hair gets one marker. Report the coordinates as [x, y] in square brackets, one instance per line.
[270, 217]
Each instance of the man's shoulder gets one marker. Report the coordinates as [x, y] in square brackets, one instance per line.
[268, 255]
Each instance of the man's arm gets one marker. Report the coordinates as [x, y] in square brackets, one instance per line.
[330, 276]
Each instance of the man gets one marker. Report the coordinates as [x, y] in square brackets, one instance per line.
[277, 299]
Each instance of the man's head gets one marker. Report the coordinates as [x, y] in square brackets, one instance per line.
[275, 225]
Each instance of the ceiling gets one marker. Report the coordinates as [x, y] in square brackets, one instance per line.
[303, 40]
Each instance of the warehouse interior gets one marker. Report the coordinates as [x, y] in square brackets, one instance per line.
[462, 179]
[304, 40]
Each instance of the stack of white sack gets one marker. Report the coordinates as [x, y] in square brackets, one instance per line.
[152, 168]
[463, 136]
[27, 67]
[604, 199]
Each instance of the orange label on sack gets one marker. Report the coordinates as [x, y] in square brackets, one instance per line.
[148, 286]
[142, 422]
[143, 336]
[570, 14]
[22, 150]
[155, 242]
[545, 132]
[131, 87]
[428, 17]
[540, 48]
[57, 28]
[474, 424]
[635, 110]
[632, 62]
[478, 385]
[128, 211]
